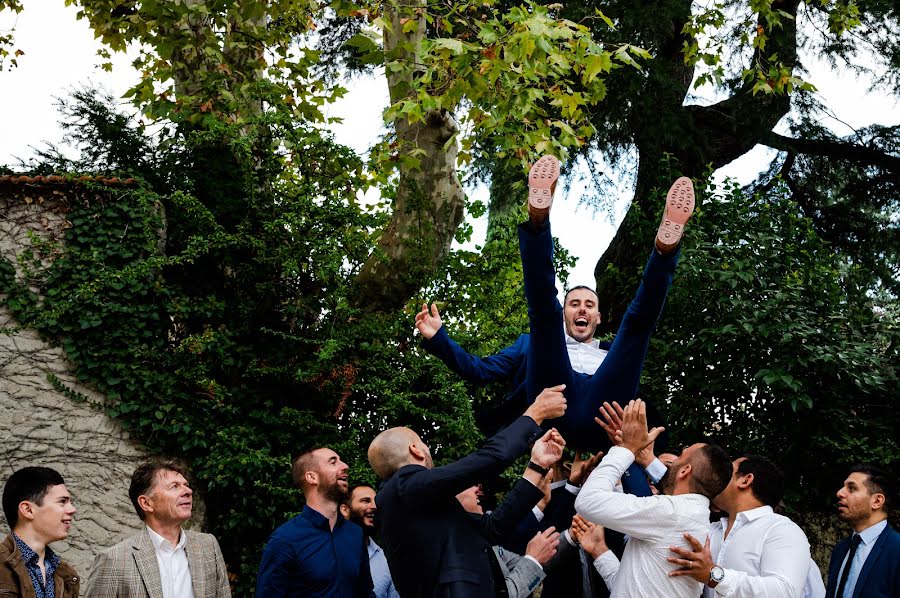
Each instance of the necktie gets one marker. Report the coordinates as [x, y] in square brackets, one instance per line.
[854, 544]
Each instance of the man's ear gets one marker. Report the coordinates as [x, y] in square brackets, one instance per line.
[145, 503]
[745, 481]
[311, 477]
[685, 471]
[26, 510]
[345, 511]
[876, 501]
[417, 453]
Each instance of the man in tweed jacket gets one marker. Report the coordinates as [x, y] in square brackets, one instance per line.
[163, 560]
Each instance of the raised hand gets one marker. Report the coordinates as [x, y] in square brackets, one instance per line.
[581, 469]
[612, 420]
[428, 323]
[548, 449]
[544, 486]
[543, 545]
[635, 436]
[550, 404]
[591, 537]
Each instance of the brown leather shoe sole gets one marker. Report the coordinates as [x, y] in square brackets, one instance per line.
[541, 184]
[679, 208]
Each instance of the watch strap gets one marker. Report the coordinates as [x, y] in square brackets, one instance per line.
[541, 470]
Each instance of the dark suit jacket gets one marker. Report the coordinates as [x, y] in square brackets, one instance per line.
[433, 547]
[880, 575]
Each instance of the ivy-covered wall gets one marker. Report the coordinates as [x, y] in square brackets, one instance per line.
[46, 416]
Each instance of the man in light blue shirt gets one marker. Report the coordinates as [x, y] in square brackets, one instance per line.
[361, 509]
[868, 563]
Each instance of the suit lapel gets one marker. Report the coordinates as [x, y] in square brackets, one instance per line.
[195, 564]
[873, 557]
[147, 565]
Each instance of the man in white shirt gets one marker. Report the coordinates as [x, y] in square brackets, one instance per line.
[163, 560]
[753, 552]
[653, 523]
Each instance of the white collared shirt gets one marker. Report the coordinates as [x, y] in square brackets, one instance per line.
[654, 523]
[174, 572]
[765, 555]
[867, 540]
[585, 357]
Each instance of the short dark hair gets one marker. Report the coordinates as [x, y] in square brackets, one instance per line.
[144, 477]
[31, 484]
[302, 463]
[768, 479]
[581, 286]
[712, 469]
[878, 481]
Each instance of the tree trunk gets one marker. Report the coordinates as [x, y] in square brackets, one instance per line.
[696, 137]
[429, 205]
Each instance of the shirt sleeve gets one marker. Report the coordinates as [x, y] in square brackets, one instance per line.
[783, 567]
[656, 470]
[274, 577]
[647, 517]
[607, 565]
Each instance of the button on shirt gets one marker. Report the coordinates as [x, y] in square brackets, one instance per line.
[867, 539]
[585, 357]
[381, 574]
[174, 572]
[51, 562]
[764, 555]
[654, 523]
[305, 557]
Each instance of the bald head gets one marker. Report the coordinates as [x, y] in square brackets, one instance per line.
[394, 448]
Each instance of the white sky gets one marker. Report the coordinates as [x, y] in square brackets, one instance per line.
[60, 55]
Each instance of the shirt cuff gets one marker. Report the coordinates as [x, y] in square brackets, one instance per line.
[569, 539]
[573, 489]
[606, 564]
[657, 469]
[731, 580]
[531, 558]
[559, 484]
[538, 514]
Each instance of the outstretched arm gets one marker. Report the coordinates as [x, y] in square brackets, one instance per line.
[500, 366]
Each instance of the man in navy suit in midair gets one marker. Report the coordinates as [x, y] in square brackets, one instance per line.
[866, 565]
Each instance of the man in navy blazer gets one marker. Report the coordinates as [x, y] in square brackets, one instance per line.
[873, 551]
[433, 546]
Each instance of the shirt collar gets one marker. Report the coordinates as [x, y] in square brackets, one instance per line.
[754, 514]
[871, 533]
[159, 542]
[571, 341]
[30, 557]
[319, 520]
[373, 548]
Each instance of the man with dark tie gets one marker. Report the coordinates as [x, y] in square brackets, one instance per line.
[866, 565]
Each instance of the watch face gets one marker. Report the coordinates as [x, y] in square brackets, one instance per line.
[717, 574]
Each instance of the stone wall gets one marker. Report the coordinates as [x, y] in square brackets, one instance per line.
[39, 425]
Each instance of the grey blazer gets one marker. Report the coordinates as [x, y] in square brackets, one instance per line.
[130, 569]
[521, 575]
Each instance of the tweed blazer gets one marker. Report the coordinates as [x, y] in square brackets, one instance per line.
[130, 569]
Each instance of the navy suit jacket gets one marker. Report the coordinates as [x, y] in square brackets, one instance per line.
[433, 546]
[509, 365]
[880, 574]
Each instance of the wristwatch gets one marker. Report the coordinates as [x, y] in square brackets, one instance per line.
[716, 575]
[538, 468]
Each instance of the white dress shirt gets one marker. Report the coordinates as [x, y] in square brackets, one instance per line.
[585, 357]
[174, 572]
[867, 540]
[381, 574]
[765, 555]
[654, 523]
[815, 587]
